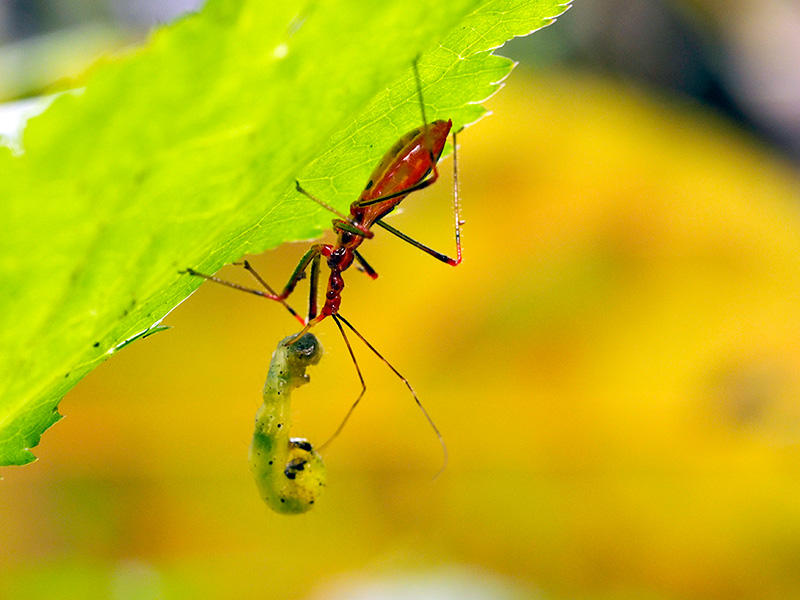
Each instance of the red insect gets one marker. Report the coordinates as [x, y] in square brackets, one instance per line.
[404, 169]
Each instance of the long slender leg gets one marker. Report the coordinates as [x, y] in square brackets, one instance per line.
[230, 284]
[414, 188]
[248, 267]
[298, 274]
[245, 264]
[423, 184]
[360, 378]
[300, 270]
[365, 265]
[313, 283]
[456, 201]
[337, 318]
[313, 256]
[458, 222]
[435, 254]
[270, 295]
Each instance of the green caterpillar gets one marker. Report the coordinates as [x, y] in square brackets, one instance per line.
[289, 473]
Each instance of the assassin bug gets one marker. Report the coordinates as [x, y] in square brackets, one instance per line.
[404, 169]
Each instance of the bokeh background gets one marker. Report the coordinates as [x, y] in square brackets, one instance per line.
[615, 367]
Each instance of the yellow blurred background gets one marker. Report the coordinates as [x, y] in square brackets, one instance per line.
[614, 368]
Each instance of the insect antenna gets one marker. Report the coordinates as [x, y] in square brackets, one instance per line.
[422, 108]
[363, 230]
[324, 205]
[339, 317]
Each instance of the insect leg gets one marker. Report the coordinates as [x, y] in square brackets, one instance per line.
[360, 378]
[270, 294]
[458, 222]
[313, 284]
[437, 255]
[254, 273]
[300, 270]
[414, 188]
[365, 265]
[339, 317]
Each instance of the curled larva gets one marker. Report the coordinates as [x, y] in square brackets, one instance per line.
[289, 473]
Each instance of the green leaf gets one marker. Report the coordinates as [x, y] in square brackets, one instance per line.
[184, 153]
